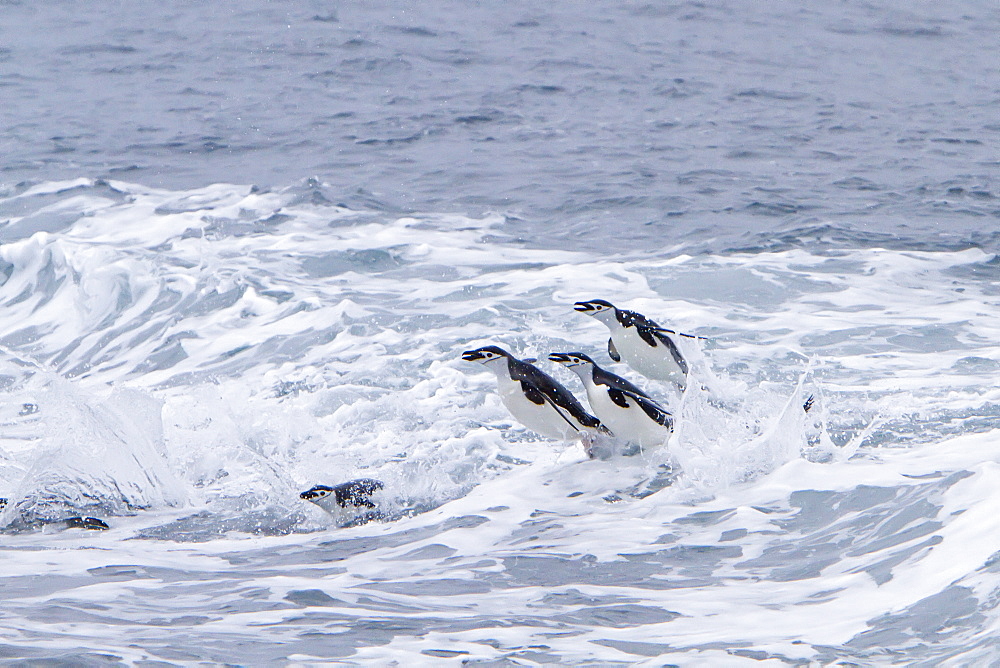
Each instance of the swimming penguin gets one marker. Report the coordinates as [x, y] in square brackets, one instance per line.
[644, 345]
[90, 523]
[625, 409]
[21, 524]
[352, 494]
[536, 399]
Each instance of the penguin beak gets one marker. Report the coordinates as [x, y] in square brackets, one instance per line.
[561, 358]
[584, 307]
[472, 356]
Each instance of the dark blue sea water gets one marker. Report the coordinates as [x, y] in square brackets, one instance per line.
[243, 246]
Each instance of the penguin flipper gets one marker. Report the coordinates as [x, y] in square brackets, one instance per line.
[675, 332]
[613, 352]
[539, 388]
[675, 352]
[581, 416]
[655, 412]
[647, 334]
[618, 397]
[532, 393]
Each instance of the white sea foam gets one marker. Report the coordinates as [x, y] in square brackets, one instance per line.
[184, 363]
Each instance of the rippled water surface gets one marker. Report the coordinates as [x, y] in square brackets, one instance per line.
[668, 121]
[243, 248]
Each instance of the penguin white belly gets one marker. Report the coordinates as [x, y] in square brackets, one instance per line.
[651, 362]
[631, 424]
[542, 418]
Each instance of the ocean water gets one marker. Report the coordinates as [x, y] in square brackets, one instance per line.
[242, 249]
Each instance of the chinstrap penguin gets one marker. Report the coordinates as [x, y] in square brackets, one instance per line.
[535, 399]
[90, 523]
[347, 495]
[626, 410]
[22, 524]
[643, 345]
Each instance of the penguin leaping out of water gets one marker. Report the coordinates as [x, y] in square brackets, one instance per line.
[644, 345]
[629, 412]
[536, 399]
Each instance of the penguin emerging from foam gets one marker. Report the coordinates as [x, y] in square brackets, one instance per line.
[20, 524]
[351, 495]
[621, 406]
[644, 345]
[536, 399]
[89, 523]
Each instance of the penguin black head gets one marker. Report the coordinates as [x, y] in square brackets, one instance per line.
[594, 306]
[485, 354]
[317, 492]
[571, 359]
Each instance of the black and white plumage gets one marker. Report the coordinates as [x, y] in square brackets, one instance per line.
[89, 523]
[626, 410]
[534, 398]
[354, 494]
[20, 524]
[643, 345]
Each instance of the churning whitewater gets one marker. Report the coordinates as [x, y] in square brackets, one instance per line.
[183, 364]
[249, 252]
